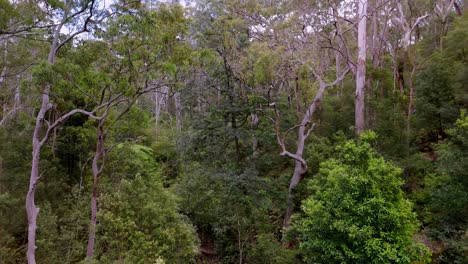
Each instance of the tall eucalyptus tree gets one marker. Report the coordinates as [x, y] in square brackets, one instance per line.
[69, 14]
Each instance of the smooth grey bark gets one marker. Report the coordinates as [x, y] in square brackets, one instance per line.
[99, 158]
[375, 40]
[160, 100]
[2, 79]
[442, 9]
[361, 67]
[254, 120]
[407, 31]
[99, 155]
[406, 27]
[178, 110]
[17, 98]
[37, 141]
[304, 130]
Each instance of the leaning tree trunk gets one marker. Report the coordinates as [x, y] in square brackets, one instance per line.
[300, 168]
[37, 141]
[31, 210]
[361, 67]
[304, 130]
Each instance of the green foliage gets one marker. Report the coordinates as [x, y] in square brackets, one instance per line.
[220, 178]
[229, 208]
[8, 227]
[6, 10]
[456, 38]
[63, 232]
[448, 187]
[445, 194]
[336, 112]
[356, 212]
[436, 96]
[139, 223]
[267, 250]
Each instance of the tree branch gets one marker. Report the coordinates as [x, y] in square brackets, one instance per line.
[62, 119]
[85, 25]
[296, 157]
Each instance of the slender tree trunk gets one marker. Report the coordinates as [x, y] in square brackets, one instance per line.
[17, 99]
[160, 99]
[157, 114]
[376, 43]
[411, 102]
[31, 210]
[2, 79]
[408, 57]
[254, 122]
[4, 112]
[5, 55]
[338, 71]
[299, 170]
[361, 67]
[1, 174]
[97, 170]
[236, 138]
[239, 241]
[296, 95]
[178, 110]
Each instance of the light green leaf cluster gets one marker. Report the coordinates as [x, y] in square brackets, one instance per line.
[140, 223]
[357, 212]
[139, 220]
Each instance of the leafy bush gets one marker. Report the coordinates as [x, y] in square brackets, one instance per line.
[140, 223]
[446, 197]
[357, 212]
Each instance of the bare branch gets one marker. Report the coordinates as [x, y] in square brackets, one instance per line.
[64, 118]
[310, 130]
[419, 20]
[85, 25]
[296, 157]
[12, 111]
[339, 79]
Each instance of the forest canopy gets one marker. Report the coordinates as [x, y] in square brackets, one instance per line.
[224, 131]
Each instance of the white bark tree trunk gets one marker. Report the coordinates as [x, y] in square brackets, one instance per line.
[254, 120]
[408, 29]
[304, 130]
[17, 98]
[361, 67]
[37, 141]
[160, 101]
